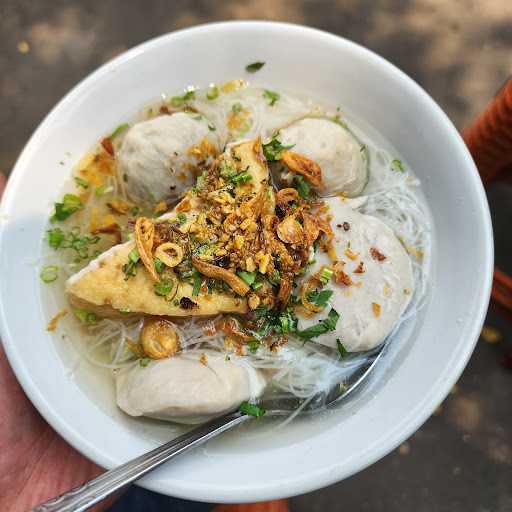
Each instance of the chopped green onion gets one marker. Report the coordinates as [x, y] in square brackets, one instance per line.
[211, 127]
[164, 287]
[178, 101]
[101, 191]
[133, 256]
[120, 129]
[130, 268]
[273, 149]
[251, 410]
[55, 237]
[81, 182]
[341, 349]
[331, 320]
[255, 66]
[247, 277]
[135, 211]
[159, 265]
[198, 279]
[49, 273]
[397, 165]
[302, 186]
[70, 204]
[227, 358]
[72, 240]
[271, 96]
[213, 93]
[86, 317]
[236, 107]
[144, 361]
[182, 218]
[326, 325]
[187, 275]
[253, 346]
[319, 298]
[326, 274]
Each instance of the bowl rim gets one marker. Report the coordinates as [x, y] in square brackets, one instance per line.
[416, 417]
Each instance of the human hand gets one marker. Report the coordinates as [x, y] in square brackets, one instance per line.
[36, 463]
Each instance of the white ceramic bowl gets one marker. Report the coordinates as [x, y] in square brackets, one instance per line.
[309, 454]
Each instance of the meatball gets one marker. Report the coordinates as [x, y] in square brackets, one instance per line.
[159, 158]
[338, 153]
[372, 281]
[187, 388]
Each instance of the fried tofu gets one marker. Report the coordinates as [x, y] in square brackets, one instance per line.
[101, 287]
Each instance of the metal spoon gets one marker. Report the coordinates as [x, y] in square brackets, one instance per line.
[83, 497]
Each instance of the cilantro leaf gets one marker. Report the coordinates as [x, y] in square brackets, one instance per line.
[241, 177]
[270, 322]
[272, 96]
[326, 325]
[273, 149]
[302, 186]
[319, 298]
[341, 349]
[274, 278]
[255, 66]
[251, 409]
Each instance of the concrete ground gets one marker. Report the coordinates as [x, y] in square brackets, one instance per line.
[460, 51]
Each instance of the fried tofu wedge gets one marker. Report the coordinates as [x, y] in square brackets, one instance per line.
[101, 287]
[195, 247]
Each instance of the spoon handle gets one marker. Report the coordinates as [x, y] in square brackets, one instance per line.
[87, 495]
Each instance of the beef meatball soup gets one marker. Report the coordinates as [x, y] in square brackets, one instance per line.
[233, 242]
